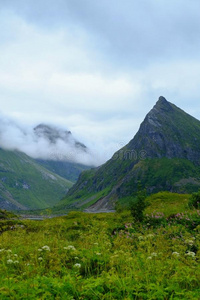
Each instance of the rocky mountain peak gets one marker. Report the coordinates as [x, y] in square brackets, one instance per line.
[167, 131]
[162, 106]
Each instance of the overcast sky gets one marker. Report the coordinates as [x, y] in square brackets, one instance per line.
[96, 67]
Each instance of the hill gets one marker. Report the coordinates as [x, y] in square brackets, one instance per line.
[163, 155]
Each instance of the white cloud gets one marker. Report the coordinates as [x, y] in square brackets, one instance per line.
[96, 68]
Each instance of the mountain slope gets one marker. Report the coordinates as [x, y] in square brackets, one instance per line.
[66, 169]
[163, 155]
[26, 185]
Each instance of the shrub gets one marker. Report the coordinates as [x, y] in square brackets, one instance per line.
[194, 201]
[138, 205]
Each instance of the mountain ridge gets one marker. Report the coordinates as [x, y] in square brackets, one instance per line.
[164, 155]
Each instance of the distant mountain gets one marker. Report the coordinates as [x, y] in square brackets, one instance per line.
[60, 163]
[53, 135]
[163, 155]
[24, 184]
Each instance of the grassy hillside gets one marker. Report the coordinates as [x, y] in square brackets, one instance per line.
[25, 184]
[105, 256]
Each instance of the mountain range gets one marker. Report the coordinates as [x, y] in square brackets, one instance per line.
[163, 155]
[28, 183]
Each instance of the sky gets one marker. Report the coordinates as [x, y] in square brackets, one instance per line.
[96, 68]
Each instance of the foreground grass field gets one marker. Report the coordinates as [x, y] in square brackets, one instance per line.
[104, 256]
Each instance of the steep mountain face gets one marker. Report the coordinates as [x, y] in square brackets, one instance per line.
[58, 163]
[163, 155]
[24, 184]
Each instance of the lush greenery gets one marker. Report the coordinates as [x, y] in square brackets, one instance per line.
[25, 184]
[177, 175]
[104, 256]
[194, 200]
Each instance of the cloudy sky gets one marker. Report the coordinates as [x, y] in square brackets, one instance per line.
[97, 67]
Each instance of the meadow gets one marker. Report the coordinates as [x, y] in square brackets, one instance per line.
[105, 255]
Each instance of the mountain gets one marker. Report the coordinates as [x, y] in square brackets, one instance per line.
[53, 135]
[163, 155]
[60, 162]
[24, 184]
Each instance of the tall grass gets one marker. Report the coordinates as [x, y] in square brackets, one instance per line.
[101, 256]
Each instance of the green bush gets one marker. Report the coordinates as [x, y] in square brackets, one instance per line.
[138, 205]
[194, 201]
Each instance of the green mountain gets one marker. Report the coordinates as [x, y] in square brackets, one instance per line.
[163, 155]
[24, 184]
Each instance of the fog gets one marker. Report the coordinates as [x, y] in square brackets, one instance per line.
[64, 147]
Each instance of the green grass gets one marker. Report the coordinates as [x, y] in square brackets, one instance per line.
[167, 203]
[104, 256]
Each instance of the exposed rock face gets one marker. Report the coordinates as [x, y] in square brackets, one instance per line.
[168, 132]
[163, 155]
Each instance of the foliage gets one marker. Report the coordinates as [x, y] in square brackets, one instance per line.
[102, 256]
[138, 205]
[194, 200]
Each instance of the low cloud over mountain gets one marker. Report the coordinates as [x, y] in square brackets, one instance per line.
[44, 141]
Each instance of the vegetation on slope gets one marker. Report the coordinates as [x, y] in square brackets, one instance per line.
[156, 174]
[163, 155]
[25, 184]
[105, 256]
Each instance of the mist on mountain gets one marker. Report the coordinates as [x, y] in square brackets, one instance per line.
[45, 141]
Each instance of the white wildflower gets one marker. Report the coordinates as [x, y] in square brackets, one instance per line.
[98, 253]
[9, 261]
[154, 254]
[77, 265]
[70, 247]
[190, 253]
[149, 257]
[175, 253]
[46, 248]
[40, 258]
[9, 251]
[189, 242]
[16, 262]
[40, 250]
